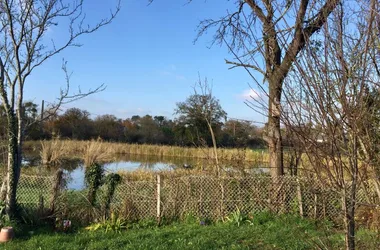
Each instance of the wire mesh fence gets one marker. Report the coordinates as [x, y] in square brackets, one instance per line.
[201, 196]
[215, 197]
[35, 191]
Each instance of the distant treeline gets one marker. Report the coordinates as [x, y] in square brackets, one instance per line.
[77, 124]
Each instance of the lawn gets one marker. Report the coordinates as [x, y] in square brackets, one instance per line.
[264, 231]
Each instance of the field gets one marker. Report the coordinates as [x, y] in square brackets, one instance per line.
[262, 232]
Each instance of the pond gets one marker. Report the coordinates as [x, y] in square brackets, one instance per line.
[74, 168]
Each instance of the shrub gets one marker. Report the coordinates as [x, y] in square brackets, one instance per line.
[93, 179]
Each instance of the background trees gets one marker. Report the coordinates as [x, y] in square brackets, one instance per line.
[194, 115]
[108, 127]
[75, 124]
[240, 133]
[78, 124]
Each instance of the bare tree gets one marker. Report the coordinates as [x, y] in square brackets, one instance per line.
[266, 37]
[24, 47]
[208, 111]
[329, 100]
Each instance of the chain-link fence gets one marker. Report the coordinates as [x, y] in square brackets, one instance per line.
[214, 198]
[201, 196]
[35, 191]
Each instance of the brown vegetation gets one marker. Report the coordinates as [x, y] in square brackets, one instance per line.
[52, 152]
[101, 151]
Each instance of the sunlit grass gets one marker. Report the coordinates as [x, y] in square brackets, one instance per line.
[53, 151]
[264, 232]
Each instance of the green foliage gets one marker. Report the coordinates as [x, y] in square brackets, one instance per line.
[114, 224]
[273, 232]
[193, 115]
[111, 181]
[93, 179]
[237, 218]
[143, 224]
[190, 218]
[262, 218]
[368, 239]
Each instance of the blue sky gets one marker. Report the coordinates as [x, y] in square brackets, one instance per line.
[147, 59]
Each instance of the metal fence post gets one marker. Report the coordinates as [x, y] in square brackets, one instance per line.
[158, 198]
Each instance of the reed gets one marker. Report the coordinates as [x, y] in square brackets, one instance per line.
[144, 175]
[96, 152]
[88, 149]
[52, 152]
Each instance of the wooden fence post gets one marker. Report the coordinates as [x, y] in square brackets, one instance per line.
[158, 198]
[56, 189]
[299, 197]
[315, 205]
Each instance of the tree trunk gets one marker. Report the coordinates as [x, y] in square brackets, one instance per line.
[13, 166]
[349, 199]
[349, 219]
[274, 139]
[20, 134]
[214, 146]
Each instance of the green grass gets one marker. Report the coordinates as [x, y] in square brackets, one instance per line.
[265, 232]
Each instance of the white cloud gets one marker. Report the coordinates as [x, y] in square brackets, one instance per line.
[251, 94]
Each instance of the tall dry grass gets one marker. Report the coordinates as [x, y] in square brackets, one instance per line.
[144, 175]
[99, 150]
[96, 151]
[52, 152]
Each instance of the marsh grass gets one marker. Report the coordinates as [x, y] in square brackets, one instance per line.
[144, 175]
[96, 150]
[52, 152]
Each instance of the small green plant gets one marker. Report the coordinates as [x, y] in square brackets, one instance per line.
[262, 218]
[143, 224]
[190, 218]
[114, 224]
[236, 217]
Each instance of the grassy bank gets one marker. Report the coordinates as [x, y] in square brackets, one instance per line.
[264, 232]
[97, 151]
